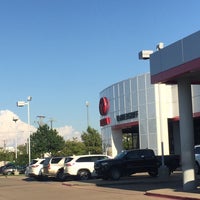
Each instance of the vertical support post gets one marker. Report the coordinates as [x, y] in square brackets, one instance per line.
[186, 134]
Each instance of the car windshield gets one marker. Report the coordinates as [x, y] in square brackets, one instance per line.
[33, 162]
[121, 155]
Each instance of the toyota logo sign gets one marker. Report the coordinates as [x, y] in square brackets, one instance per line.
[104, 106]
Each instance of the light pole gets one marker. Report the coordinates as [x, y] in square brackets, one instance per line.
[15, 120]
[163, 171]
[87, 107]
[21, 104]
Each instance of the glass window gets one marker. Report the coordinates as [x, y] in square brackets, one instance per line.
[68, 159]
[84, 159]
[197, 150]
[147, 153]
[42, 161]
[133, 155]
[33, 162]
[56, 160]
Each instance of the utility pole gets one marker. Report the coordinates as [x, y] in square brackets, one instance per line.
[41, 118]
[87, 108]
[51, 123]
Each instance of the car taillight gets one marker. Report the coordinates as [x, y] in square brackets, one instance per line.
[69, 164]
[34, 166]
[49, 166]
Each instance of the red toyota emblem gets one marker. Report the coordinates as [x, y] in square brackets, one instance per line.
[104, 106]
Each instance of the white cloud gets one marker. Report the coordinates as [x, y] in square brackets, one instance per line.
[12, 131]
[68, 133]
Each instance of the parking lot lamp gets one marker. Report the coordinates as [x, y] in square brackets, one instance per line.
[22, 104]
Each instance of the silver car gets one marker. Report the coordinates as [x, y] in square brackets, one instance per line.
[55, 167]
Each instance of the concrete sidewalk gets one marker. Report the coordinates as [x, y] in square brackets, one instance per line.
[170, 187]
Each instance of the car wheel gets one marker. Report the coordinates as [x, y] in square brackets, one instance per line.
[153, 173]
[105, 178]
[60, 175]
[9, 173]
[115, 174]
[84, 174]
[196, 168]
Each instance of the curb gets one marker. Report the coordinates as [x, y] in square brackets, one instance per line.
[171, 196]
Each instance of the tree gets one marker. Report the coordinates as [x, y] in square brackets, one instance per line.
[22, 157]
[46, 140]
[92, 140]
[73, 147]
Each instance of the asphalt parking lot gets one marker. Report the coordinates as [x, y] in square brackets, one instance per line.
[170, 187]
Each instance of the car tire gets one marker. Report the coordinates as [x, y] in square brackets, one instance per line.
[115, 174]
[9, 173]
[105, 178]
[153, 173]
[197, 168]
[84, 174]
[60, 175]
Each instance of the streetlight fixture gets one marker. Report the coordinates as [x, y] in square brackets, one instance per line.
[87, 107]
[22, 104]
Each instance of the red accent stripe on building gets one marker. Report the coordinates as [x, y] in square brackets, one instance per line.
[125, 125]
[177, 118]
[170, 75]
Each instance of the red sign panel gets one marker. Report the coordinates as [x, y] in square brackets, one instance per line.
[105, 121]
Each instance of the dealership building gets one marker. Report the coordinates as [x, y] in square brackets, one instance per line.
[158, 110]
[147, 114]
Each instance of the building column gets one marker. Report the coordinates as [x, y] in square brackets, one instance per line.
[186, 134]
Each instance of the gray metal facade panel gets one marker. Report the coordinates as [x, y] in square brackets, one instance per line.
[176, 54]
[171, 56]
[191, 47]
[155, 63]
[166, 58]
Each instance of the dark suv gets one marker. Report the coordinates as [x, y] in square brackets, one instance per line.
[128, 162]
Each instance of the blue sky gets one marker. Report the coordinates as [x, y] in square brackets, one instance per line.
[64, 52]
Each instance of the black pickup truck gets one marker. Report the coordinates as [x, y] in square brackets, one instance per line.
[129, 162]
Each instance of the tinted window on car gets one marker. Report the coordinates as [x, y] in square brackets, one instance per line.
[68, 159]
[133, 155]
[102, 157]
[147, 153]
[42, 161]
[56, 160]
[95, 158]
[84, 159]
[33, 162]
[197, 150]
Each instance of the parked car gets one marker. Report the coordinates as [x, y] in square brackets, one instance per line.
[5, 166]
[9, 170]
[35, 168]
[82, 166]
[54, 167]
[129, 162]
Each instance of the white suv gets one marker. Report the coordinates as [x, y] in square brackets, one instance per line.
[35, 168]
[82, 166]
